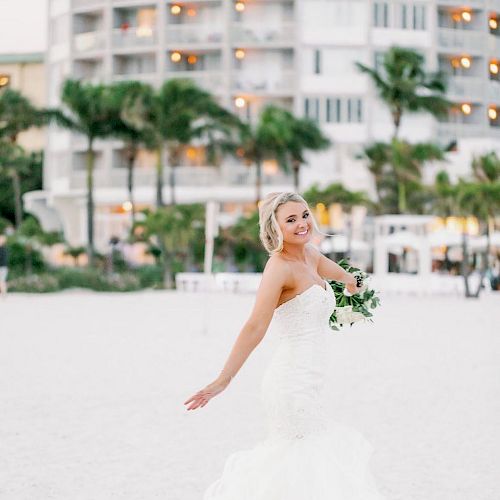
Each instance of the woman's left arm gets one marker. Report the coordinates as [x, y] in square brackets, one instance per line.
[329, 269]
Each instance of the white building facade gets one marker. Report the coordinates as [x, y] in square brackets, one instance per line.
[296, 53]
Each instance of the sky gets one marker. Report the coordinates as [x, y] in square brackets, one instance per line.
[23, 26]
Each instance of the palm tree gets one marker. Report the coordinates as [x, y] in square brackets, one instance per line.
[405, 86]
[14, 163]
[268, 139]
[124, 97]
[337, 193]
[304, 135]
[88, 111]
[468, 198]
[173, 229]
[17, 114]
[397, 168]
[175, 116]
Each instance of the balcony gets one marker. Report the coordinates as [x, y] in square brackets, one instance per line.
[246, 35]
[446, 131]
[493, 91]
[134, 37]
[466, 87]
[203, 34]
[209, 80]
[88, 42]
[475, 4]
[245, 82]
[81, 4]
[227, 175]
[450, 40]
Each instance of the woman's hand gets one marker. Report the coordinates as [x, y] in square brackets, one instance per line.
[351, 284]
[203, 396]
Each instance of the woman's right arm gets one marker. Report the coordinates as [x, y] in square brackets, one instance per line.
[273, 281]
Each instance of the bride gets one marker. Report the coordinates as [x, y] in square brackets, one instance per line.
[306, 455]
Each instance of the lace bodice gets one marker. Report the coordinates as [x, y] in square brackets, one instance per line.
[293, 382]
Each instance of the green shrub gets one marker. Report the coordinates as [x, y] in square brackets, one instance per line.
[150, 276]
[36, 283]
[96, 280]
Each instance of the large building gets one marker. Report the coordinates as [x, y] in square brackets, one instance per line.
[299, 54]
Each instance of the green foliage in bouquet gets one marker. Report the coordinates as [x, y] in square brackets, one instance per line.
[359, 303]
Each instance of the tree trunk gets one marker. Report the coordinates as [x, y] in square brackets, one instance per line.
[166, 258]
[485, 265]
[396, 119]
[18, 202]
[401, 197]
[90, 203]
[131, 155]
[171, 181]
[465, 264]
[258, 182]
[296, 175]
[159, 179]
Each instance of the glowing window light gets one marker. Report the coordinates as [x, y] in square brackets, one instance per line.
[455, 62]
[240, 102]
[4, 80]
[492, 113]
[192, 59]
[239, 54]
[494, 68]
[127, 206]
[466, 16]
[493, 23]
[465, 61]
[175, 10]
[239, 6]
[191, 12]
[466, 109]
[175, 57]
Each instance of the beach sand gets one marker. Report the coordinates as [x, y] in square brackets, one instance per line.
[92, 388]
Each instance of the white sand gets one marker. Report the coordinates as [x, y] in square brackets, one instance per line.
[92, 389]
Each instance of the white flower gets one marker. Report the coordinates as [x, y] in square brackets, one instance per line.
[345, 315]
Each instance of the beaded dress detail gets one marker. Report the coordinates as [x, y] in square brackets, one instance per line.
[306, 455]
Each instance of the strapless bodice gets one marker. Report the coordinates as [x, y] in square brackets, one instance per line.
[307, 314]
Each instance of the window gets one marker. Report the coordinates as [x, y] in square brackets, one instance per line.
[419, 12]
[317, 62]
[378, 60]
[311, 108]
[403, 15]
[334, 109]
[381, 14]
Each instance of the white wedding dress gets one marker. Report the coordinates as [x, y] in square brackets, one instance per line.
[306, 455]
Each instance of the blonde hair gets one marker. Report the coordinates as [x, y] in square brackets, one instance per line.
[270, 233]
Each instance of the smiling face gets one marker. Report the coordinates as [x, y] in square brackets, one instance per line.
[295, 222]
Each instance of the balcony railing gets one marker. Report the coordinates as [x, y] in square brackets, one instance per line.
[88, 42]
[228, 175]
[177, 34]
[209, 80]
[493, 91]
[466, 86]
[77, 4]
[478, 4]
[250, 82]
[447, 130]
[259, 34]
[134, 37]
[451, 39]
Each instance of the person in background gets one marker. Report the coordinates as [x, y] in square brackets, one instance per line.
[3, 266]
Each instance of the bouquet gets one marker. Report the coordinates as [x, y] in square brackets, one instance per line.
[352, 308]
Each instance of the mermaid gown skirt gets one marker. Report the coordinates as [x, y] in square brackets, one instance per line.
[306, 455]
